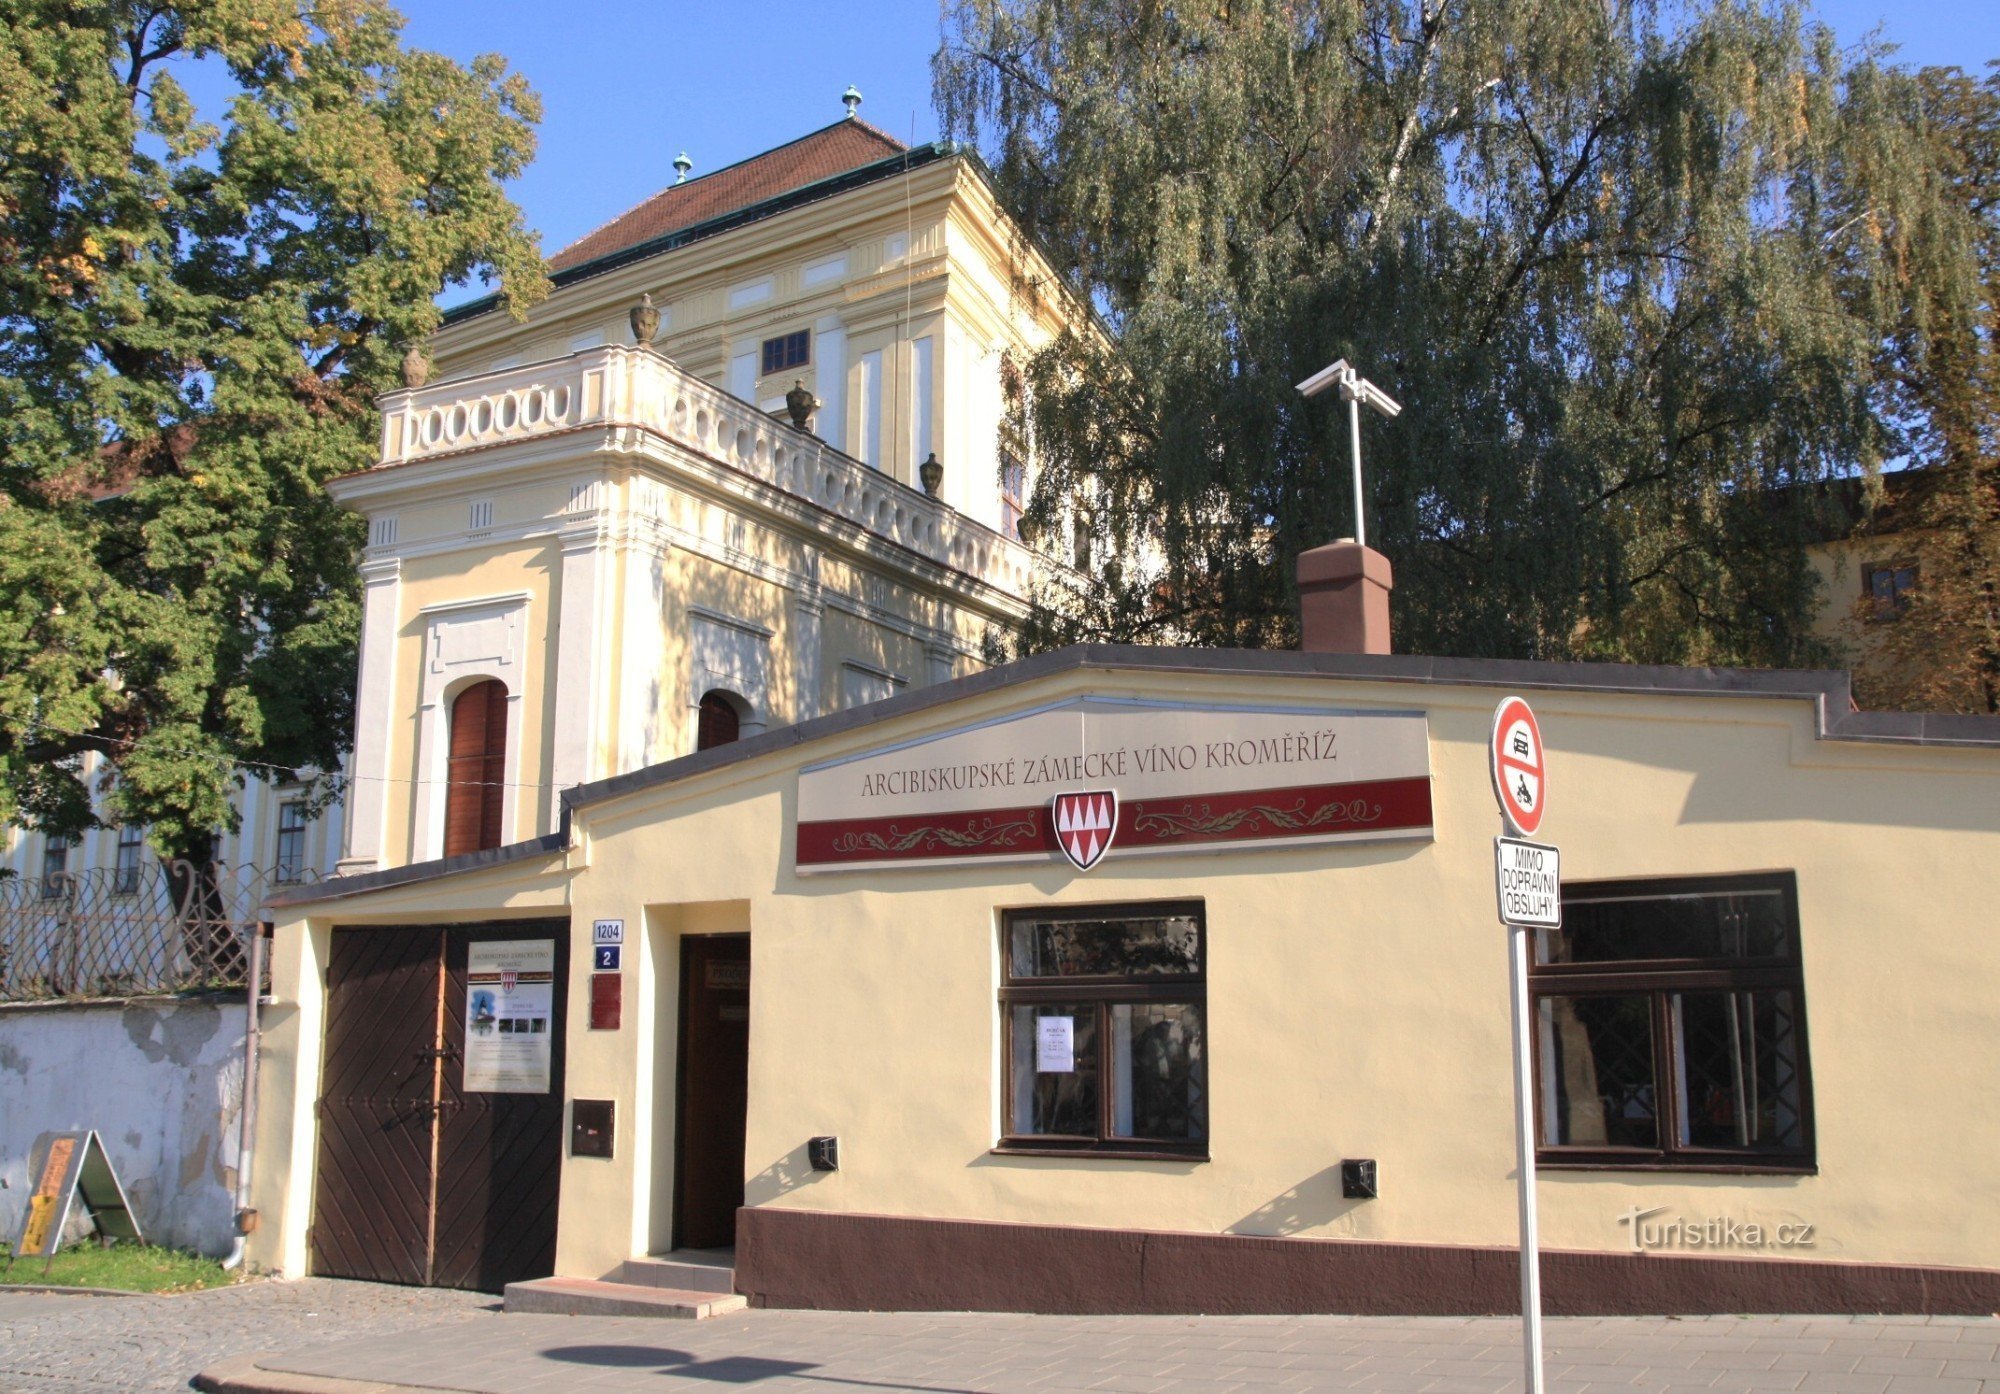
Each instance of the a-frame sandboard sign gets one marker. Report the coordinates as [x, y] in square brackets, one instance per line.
[68, 1167]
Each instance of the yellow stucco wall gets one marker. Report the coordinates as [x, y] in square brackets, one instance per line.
[1357, 994]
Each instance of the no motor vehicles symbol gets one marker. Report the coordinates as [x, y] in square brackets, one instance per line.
[1520, 770]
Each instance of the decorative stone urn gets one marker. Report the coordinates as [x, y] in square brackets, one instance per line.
[932, 473]
[645, 321]
[801, 404]
[416, 367]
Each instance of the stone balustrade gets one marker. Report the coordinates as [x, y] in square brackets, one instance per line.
[615, 386]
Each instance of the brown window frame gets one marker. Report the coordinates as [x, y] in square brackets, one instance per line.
[128, 859]
[289, 857]
[1101, 991]
[476, 779]
[776, 353]
[1659, 979]
[1892, 608]
[718, 720]
[56, 848]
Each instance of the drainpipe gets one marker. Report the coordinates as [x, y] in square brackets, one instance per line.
[246, 1218]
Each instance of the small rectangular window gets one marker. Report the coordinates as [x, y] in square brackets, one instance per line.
[1670, 1026]
[1104, 1012]
[787, 351]
[1890, 586]
[131, 849]
[55, 866]
[291, 864]
[1013, 496]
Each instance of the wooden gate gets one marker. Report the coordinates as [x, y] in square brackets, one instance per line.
[421, 1181]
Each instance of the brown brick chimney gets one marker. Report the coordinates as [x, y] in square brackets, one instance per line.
[1344, 599]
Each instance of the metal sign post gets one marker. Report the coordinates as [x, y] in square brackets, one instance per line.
[1527, 886]
[1524, 1162]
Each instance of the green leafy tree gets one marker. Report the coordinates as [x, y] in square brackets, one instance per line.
[1939, 650]
[1629, 268]
[194, 320]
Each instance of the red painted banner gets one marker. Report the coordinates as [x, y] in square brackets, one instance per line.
[1390, 806]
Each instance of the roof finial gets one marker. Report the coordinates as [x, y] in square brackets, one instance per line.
[851, 99]
[682, 164]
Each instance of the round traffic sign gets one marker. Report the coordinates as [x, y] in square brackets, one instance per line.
[1520, 767]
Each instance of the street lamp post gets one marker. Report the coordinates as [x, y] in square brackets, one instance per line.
[1355, 389]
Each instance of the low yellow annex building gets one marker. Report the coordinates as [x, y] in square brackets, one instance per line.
[1164, 980]
[717, 913]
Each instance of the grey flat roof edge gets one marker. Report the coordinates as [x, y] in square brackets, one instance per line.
[340, 887]
[1829, 692]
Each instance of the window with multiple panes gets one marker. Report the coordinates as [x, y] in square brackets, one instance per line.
[291, 865]
[477, 769]
[787, 351]
[131, 848]
[1889, 586]
[1104, 1014]
[1013, 496]
[1670, 1026]
[55, 863]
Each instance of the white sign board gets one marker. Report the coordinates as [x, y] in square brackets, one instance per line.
[1179, 777]
[607, 932]
[509, 1016]
[1527, 879]
[1055, 1045]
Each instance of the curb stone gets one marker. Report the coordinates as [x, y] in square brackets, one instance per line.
[58, 1289]
[243, 1375]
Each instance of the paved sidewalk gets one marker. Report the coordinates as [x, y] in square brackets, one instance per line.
[954, 1353]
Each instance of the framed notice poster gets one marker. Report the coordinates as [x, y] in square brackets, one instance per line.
[509, 1016]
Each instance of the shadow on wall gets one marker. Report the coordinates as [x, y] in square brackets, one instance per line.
[788, 1173]
[1313, 1203]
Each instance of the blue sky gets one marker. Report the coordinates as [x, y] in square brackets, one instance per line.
[628, 84]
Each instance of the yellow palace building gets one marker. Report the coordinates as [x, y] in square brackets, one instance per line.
[717, 918]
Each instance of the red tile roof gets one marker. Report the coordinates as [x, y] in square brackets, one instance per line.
[836, 149]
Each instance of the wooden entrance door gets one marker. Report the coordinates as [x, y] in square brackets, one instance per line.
[419, 1180]
[371, 1213]
[714, 1089]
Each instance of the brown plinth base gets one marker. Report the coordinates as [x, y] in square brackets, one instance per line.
[799, 1258]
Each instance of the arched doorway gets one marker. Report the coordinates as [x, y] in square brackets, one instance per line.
[477, 769]
[720, 723]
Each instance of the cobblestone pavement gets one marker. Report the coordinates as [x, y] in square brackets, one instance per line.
[71, 1343]
[958, 1353]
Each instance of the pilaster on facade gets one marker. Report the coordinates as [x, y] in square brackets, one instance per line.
[808, 617]
[940, 661]
[582, 676]
[374, 710]
[640, 652]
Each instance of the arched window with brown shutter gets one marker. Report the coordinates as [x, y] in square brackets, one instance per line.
[478, 772]
[720, 721]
